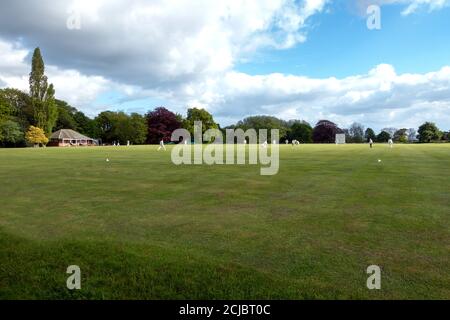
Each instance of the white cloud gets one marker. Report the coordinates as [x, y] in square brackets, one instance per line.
[145, 46]
[379, 98]
[12, 57]
[159, 43]
[77, 89]
[13, 68]
[414, 5]
[411, 6]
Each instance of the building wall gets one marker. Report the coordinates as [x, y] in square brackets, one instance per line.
[61, 143]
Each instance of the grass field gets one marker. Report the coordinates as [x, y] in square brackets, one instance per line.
[141, 228]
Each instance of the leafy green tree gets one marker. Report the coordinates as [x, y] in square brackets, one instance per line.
[15, 105]
[348, 137]
[429, 132]
[10, 133]
[105, 125]
[446, 136]
[65, 116]
[401, 135]
[85, 125]
[370, 134]
[179, 117]
[139, 128]
[195, 114]
[383, 136]
[42, 95]
[356, 132]
[120, 127]
[412, 134]
[70, 118]
[390, 130]
[6, 109]
[264, 122]
[131, 128]
[51, 110]
[301, 132]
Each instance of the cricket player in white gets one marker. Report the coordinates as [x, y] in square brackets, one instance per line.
[161, 145]
[264, 145]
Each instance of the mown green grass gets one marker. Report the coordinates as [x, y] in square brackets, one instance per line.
[142, 228]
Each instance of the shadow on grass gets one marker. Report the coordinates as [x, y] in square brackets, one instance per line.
[37, 270]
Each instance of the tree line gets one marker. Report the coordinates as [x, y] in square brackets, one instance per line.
[30, 118]
[324, 131]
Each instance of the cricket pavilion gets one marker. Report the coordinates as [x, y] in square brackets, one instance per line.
[70, 138]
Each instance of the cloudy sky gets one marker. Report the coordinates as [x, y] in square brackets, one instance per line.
[304, 59]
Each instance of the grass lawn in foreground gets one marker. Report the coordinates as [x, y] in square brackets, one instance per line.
[140, 227]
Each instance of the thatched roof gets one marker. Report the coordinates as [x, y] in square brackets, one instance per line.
[68, 134]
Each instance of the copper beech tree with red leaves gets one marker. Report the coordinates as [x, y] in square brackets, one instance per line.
[161, 123]
[325, 132]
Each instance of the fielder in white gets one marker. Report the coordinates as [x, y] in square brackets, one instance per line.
[264, 145]
[391, 143]
[161, 145]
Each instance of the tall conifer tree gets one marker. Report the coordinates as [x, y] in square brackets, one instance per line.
[42, 95]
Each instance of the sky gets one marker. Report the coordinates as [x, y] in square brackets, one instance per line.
[294, 59]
